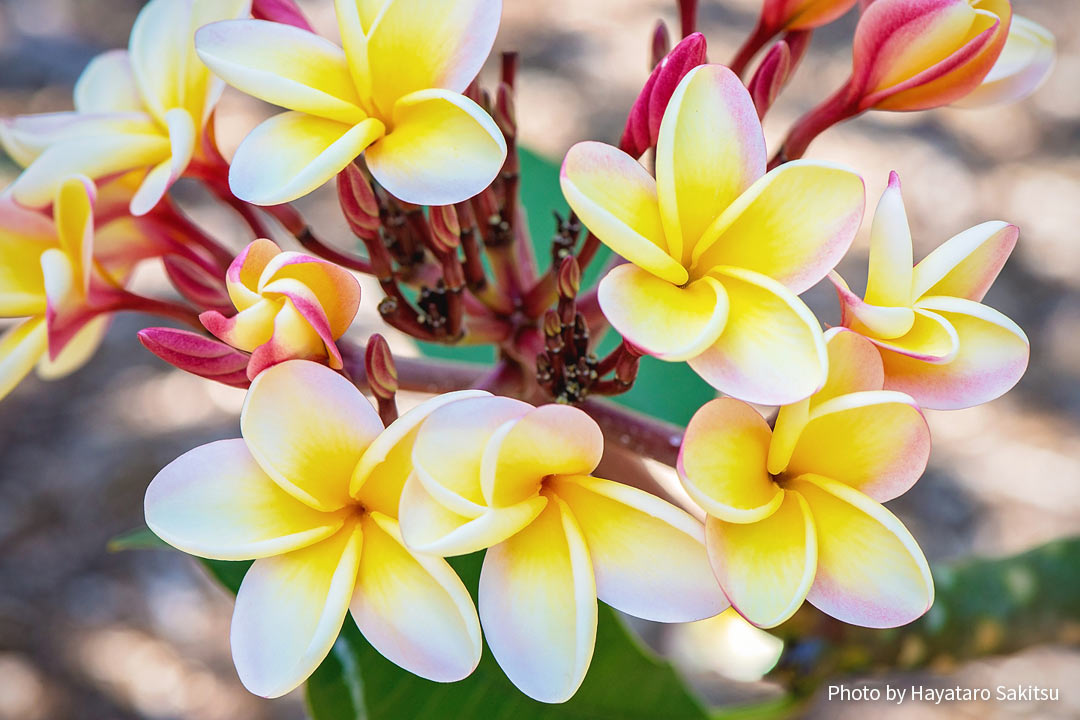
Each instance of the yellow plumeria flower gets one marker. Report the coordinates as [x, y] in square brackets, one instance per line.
[718, 249]
[311, 494]
[56, 275]
[938, 342]
[795, 513]
[143, 108]
[291, 306]
[500, 474]
[392, 94]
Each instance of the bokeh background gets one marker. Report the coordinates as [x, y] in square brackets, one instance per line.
[90, 635]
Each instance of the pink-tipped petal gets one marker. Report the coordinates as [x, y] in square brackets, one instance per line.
[889, 278]
[967, 264]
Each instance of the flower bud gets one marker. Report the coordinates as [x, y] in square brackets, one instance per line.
[781, 15]
[358, 203]
[661, 44]
[196, 283]
[568, 279]
[643, 124]
[382, 374]
[920, 54]
[280, 11]
[770, 77]
[505, 117]
[197, 354]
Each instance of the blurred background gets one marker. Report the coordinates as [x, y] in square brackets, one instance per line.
[88, 634]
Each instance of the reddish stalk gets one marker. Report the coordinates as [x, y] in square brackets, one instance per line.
[840, 106]
[751, 46]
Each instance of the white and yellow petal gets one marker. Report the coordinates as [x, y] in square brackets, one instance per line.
[870, 571]
[766, 567]
[772, 350]
[648, 555]
[966, 265]
[308, 427]
[877, 442]
[21, 347]
[293, 153]
[722, 462]
[709, 151]
[107, 85]
[216, 502]
[537, 603]
[889, 278]
[413, 608]
[290, 609]
[1024, 63]
[793, 225]
[441, 148]
[671, 322]
[991, 357]
[615, 198]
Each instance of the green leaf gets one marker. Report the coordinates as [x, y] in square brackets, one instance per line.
[142, 538]
[625, 682]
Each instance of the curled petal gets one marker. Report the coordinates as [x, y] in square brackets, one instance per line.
[242, 277]
[991, 357]
[881, 322]
[875, 441]
[550, 440]
[668, 321]
[1024, 63]
[290, 609]
[890, 276]
[307, 426]
[158, 181]
[766, 567]
[710, 150]
[334, 289]
[263, 59]
[771, 351]
[966, 265]
[21, 347]
[216, 502]
[443, 148]
[648, 555]
[722, 462]
[854, 365]
[615, 197]
[537, 602]
[197, 354]
[793, 225]
[931, 339]
[292, 154]
[870, 571]
[413, 608]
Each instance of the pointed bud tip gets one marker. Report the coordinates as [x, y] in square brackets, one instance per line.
[381, 371]
[568, 279]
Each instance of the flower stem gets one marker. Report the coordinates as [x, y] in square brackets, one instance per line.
[761, 34]
[839, 106]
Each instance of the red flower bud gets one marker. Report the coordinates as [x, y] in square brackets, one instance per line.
[280, 11]
[197, 354]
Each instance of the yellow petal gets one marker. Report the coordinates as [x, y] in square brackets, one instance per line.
[202, 89]
[550, 440]
[333, 287]
[877, 320]
[216, 502]
[380, 475]
[648, 555]
[793, 225]
[307, 427]
[875, 441]
[710, 150]
[292, 154]
[615, 198]
[415, 45]
[158, 50]
[870, 571]
[537, 603]
[283, 65]
[182, 138]
[722, 462]
[77, 351]
[766, 567]
[889, 278]
[449, 449]
[290, 609]
[966, 265]
[20, 349]
[931, 338]
[413, 608]
[441, 148]
[73, 210]
[772, 350]
[25, 236]
[854, 365]
[668, 321]
[428, 525]
[991, 357]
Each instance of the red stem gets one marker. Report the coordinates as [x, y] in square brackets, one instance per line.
[839, 106]
[762, 34]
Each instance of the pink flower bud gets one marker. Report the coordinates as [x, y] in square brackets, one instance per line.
[280, 11]
[770, 77]
[643, 124]
[197, 354]
[381, 371]
[196, 283]
[661, 44]
[358, 203]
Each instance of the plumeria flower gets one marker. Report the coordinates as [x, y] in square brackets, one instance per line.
[938, 342]
[290, 306]
[392, 94]
[57, 276]
[311, 494]
[795, 513]
[144, 108]
[718, 249]
[500, 474]
[780, 15]
[919, 54]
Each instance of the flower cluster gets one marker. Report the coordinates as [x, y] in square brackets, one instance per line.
[349, 510]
